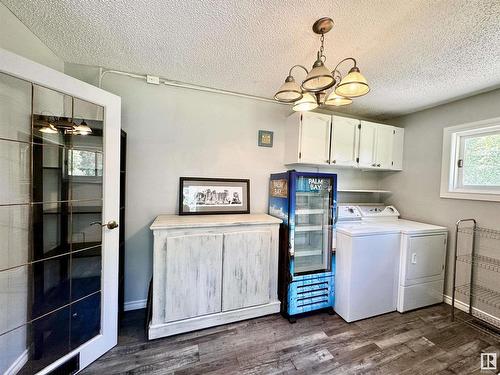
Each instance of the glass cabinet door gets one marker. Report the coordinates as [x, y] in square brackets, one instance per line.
[313, 224]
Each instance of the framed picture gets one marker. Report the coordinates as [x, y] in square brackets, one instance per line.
[210, 196]
[265, 138]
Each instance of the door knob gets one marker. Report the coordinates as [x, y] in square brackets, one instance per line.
[111, 224]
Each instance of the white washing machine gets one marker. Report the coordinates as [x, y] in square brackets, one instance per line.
[384, 263]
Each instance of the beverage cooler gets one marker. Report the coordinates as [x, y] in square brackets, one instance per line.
[307, 204]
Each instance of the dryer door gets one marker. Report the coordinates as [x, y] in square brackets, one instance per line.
[424, 259]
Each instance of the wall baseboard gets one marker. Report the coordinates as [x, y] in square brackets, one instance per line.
[135, 305]
[18, 363]
[479, 313]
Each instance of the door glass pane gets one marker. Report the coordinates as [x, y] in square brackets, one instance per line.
[312, 240]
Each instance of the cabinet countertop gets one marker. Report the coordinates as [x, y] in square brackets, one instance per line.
[199, 221]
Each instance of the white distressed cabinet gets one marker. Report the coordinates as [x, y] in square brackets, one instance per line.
[212, 269]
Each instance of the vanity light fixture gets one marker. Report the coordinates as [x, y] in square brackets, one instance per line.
[320, 79]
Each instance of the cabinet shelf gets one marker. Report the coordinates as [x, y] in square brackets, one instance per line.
[308, 228]
[309, 211]
[307, 252]
[375, 191]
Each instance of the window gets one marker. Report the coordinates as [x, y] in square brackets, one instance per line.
[85, 163]
[471, 161]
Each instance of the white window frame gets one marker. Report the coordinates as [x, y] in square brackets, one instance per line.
[453, 146]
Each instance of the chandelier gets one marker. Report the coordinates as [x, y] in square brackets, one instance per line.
[322, 85]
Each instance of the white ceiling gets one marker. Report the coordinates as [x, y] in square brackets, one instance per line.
[414, 53]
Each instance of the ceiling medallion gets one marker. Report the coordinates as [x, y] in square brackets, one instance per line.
[315, 88]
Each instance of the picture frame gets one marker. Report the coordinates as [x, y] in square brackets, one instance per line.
[213, 196]
[266, 138]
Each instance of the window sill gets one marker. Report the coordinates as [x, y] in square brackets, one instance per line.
[470, 196]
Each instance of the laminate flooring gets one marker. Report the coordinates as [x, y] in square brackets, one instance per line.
[424, 341]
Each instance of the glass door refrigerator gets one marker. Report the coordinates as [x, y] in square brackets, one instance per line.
[307, 204]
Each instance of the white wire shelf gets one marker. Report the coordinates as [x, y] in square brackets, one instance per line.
[487, 263]
[480, 294]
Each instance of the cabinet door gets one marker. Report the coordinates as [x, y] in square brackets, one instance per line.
[383, 146]
[344, 141]
[397, 148]
[367, 139]
[193, 276]
[246, 269]
[315, 138]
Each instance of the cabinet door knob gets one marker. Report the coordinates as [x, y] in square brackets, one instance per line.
[334, 161]
[378, 165]
[374, 164]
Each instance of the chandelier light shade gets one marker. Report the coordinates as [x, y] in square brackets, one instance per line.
[49, 129]
[289, 91]
[353, 84]
[82, 129]
[337, 100]
[307, 103]
[319, 80]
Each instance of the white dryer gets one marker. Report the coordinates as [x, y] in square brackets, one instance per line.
[384, 263]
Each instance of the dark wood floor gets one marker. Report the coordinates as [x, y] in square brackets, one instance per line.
[419, 342]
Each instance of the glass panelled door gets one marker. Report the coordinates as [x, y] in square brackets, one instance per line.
[51, 232]
[313, 224]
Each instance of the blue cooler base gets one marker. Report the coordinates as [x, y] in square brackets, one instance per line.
[310, 293]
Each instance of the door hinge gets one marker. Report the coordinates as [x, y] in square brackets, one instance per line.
[301, 117]
[460, 163]
[357, 160]
[394, 132]
[392, 163]
[300, 155]
[359, 126]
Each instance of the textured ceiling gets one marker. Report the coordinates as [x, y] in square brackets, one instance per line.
[414, 53]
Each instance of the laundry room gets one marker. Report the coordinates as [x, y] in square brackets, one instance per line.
[240, 187]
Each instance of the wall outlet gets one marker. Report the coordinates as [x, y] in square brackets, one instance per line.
[153, 80]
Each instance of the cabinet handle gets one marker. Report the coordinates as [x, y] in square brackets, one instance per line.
[374, 164]
[334, 161]
[378, 165]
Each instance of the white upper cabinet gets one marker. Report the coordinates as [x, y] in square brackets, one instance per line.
[383, 146]
[397, 149]
[344, 146]
[367, 144]
[308, 138]
[319, 139]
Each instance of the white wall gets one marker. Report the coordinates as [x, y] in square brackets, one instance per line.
[174, 132]
[416, 189]
[17, 38]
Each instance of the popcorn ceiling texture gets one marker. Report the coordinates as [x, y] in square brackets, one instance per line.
[414, 53]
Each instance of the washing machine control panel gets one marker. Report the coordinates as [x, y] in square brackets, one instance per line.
[349, 212]
[378, 211]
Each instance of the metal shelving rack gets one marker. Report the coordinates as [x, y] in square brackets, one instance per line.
[480, 288]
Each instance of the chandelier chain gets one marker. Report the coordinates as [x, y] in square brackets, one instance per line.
[322, 48]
